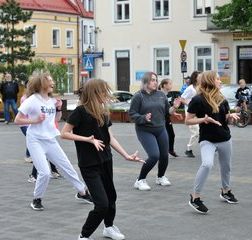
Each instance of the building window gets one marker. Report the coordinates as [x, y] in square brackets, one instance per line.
[56, 38]
[161, 9]
[91, 35]
[90, 5]
[203, 58]
[203, 7]
[85, 34]
[162, 61]
[122, 10]
[69, 38]
[32, 39]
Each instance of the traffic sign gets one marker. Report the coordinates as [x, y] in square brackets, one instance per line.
[182, 44]
[183, 56]
[88, 63]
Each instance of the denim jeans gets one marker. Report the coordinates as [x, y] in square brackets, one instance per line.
[7, 104]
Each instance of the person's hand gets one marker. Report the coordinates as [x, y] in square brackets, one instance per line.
[134, 157]
[208, 119]
[97, 143]
[58, 103]
[177, 102]
[234, 116]
[40, 118]
[148, 117]
[178, 116]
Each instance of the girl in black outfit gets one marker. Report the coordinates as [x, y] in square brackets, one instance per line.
[166, 86]
[88, 126]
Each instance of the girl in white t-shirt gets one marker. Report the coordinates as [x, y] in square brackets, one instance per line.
[186, 97]
[39, 111]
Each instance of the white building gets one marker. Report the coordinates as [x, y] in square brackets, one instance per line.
[144, 35]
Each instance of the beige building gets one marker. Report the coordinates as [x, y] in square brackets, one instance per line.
[145, 35]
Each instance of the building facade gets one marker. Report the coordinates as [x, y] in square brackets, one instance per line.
[58, 34]
[170, 37]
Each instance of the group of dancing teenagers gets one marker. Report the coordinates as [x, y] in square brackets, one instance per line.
[89, 126]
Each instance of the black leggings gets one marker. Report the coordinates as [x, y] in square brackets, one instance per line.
[99, 180]
[171, 134]
[155, 143]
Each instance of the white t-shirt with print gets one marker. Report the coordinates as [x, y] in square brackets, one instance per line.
[188, 94]
[33, 107]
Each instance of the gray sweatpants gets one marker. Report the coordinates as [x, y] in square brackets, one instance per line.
[208, 150]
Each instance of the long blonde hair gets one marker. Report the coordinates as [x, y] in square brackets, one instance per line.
[209, 90]
[95, 94]
[37, 82]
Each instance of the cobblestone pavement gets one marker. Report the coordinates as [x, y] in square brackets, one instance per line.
[162, 213]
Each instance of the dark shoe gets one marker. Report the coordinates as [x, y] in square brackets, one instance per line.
[36, 204]
[174, 154]
[85, 198]
[228, 197]
[189, 153]
[198, 205]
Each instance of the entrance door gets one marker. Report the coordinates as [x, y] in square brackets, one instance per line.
[123, 70]
[245, 63]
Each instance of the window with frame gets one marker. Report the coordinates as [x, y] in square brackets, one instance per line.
[69, 38]
[85, 34]
[203, 58]
[122, 10]
[91, 34]
[161, 9]
[32, 38]
[203, 7]
[56, 38]
[162, 61]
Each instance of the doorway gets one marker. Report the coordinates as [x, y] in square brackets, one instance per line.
[123, 70]
[244, 63]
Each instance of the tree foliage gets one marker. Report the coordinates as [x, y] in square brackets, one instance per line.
[236, 15]
[15, 40]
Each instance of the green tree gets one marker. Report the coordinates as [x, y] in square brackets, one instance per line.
[16, 41]
[236, 15]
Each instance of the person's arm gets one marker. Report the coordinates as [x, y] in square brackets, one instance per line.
[67, 133]
[21, 119]
[117, 147]
[134, 113]
[191, 119]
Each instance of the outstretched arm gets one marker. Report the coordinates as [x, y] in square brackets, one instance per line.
[117, 147]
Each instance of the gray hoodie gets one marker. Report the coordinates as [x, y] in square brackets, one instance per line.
[155, 103]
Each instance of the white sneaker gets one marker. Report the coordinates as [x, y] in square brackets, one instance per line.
[163, 181]
[113, 233]
[83, 238]
[142, 185]
[28, 159]
[31, 179]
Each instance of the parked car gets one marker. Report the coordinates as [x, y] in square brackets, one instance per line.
[123, 96]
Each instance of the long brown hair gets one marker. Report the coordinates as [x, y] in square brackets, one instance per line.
[209, 90]
[37, 82]
[95, 94]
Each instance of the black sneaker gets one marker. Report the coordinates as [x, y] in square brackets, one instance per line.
[36, 204]
[174, 154]
[189, 153]
[198, 205]
[85, 198]
[228, 197]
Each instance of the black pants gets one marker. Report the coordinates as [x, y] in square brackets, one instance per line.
[171, 134]
[99, 180]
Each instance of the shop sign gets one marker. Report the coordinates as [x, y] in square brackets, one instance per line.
[241, 36]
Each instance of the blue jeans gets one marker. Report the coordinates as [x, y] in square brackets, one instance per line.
[155, 142]
[7, 104]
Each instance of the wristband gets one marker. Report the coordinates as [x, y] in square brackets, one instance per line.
[58, 110]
